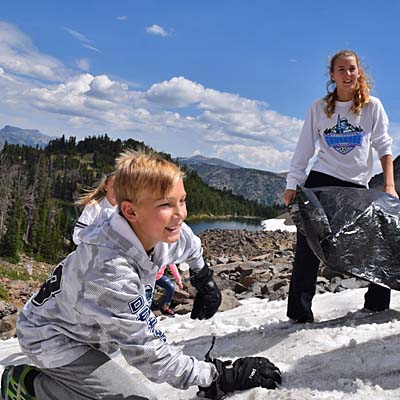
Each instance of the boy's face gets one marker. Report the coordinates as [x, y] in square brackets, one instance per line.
[157, 220]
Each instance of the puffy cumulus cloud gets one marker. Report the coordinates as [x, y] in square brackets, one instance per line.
[18, 55]
[104, 88]
[260, 157]
[177, 92]
[156, 30]
[227, 115]
[179, 115]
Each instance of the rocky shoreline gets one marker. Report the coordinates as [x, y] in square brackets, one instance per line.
[245, 264]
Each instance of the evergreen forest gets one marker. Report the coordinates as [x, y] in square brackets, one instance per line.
[39, 187]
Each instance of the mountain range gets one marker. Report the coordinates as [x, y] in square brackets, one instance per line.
[29, 137]
[263, 186]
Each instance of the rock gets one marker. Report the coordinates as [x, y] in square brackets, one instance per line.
[349, 283]
[229, 300]
[245, 264]
[8, 326]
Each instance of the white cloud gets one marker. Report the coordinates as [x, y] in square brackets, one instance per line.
[122, 18]
[260, 157]
[85, 42]
[77, 35]
[90, 47]
[177, 92]
[178, 115]
[156, 30]
[18, 55]
[83, 64]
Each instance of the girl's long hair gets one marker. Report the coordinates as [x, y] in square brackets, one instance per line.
[361, 95]
[97, 193]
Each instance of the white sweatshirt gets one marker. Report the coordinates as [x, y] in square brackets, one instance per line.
[345, 147]
[90, 214]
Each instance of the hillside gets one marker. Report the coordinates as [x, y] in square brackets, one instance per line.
[201, 160]
[29, 137]
[262, 186]
[39, 187]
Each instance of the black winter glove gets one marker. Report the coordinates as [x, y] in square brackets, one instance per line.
[208, 297]
[244, 373]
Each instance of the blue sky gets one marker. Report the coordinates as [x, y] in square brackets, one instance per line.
[229, 79]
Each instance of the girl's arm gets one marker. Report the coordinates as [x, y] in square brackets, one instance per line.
[173, 268]
[388, 175]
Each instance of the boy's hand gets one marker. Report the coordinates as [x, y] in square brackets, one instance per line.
[244, 373]
[208, 297]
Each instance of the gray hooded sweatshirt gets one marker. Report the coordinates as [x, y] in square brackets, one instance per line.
[99, 297]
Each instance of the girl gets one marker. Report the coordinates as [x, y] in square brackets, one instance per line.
[100, 199]
[346, 123]
[164, 282]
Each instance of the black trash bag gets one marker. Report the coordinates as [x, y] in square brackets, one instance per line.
[352, 230]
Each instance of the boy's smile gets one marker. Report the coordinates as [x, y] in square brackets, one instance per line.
[158, 220]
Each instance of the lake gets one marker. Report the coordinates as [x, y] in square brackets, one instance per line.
[242, 223]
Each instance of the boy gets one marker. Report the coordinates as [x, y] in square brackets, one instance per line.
[98, 300]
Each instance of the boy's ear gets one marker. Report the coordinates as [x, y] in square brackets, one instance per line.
[128, 211]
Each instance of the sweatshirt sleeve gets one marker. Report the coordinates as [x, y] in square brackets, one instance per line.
[122, 311]
[305, 149]
[381, 141]
[89, 214]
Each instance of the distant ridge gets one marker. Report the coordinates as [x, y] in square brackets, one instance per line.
[29, 137]
[265, 187]
[199, 160]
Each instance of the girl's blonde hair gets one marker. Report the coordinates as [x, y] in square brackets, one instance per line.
[361, 95]
[97, 193]
[137, 172]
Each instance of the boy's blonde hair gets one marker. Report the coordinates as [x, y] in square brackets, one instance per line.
[97, 193]
[137, 172]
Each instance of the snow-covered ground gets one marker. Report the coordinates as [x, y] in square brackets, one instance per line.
[275, 224]
[345, 354]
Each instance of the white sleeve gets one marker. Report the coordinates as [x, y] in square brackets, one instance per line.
[122, 311]
[187, 249]
[305, 149]
[89, 214]
[381, 141]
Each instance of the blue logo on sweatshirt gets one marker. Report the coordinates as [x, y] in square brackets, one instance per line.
[344, 137]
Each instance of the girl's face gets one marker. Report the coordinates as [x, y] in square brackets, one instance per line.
[345, 74]
[109, 188]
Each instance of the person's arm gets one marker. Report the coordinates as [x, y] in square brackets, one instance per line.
[173, 268]
[115, 297]
[388, 175]
[305, 149]
[382, 143]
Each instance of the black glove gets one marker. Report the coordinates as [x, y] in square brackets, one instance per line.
[244, 373]
[208, 297]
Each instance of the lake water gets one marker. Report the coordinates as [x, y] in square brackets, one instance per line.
[249, 224]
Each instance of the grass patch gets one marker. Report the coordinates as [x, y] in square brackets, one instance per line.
[19, 273]
[3, 293]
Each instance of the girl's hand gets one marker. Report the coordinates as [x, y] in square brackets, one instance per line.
[391, 190]
[180, 284]
[290, 194]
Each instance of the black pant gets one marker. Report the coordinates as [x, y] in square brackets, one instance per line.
[305, 267]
